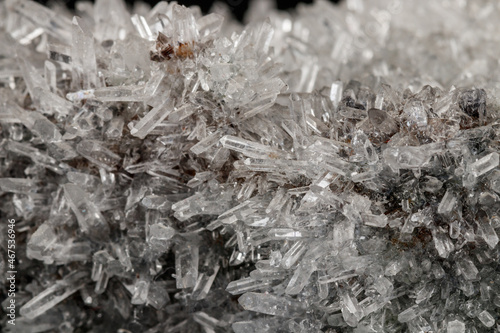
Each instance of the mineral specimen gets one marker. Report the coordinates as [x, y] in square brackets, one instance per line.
[330, 169]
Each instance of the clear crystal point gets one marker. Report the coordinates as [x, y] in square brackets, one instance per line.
[269, 304]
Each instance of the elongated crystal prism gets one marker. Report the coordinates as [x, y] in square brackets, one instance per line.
[54, 294]
[447, 203]
[249, 148]
[244, 285]
[17, 185]
[272, 305]
[299, 279]
[456, 325]
[88, 215]
[408, 314]
[204, 283]
[486, 319]
[83, 54]
[140, 294]
[468, 269]
[485, 164]
[97, 153]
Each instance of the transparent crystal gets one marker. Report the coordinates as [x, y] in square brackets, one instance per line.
[456, 325]
[83, 54]
[87, 214]
[17, 185]
[97, 153]
[53, 295]
[250, 149]
[272, 305]
[244, 285]
[486, 319]
[42, 241]
[485, 164]
[204, 283]
[140, 294]
[186, 266]
[408, 314]
[447, 203]
[468, 269]
[299, 279]
[151, 119]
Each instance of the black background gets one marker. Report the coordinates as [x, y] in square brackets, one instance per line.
[238, 7]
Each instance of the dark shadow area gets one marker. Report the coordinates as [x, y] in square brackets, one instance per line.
[238, 7]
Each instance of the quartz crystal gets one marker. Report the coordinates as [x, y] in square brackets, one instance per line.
[455, 326]
[334, 168]
[269, 304]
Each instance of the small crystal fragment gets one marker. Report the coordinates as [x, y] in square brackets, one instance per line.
[250, 149]
[292, 255]
[208, 322]
[443, 244]
[299, 279]
[486, 318]
[468, 269]
[204, 283]
[488, 233]
[206, 143]
[351, 311]
[41, 242]
[336, 93]
[17, 185]
[89, 217]
[244, 285]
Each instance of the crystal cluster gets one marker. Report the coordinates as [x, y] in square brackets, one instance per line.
[334, 169]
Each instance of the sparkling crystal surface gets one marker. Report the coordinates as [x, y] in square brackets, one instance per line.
[330, 169]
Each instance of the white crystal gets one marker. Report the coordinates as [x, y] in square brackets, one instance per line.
[455, 326]
[140, 294]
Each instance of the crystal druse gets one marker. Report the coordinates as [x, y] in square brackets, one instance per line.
[331, 169]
